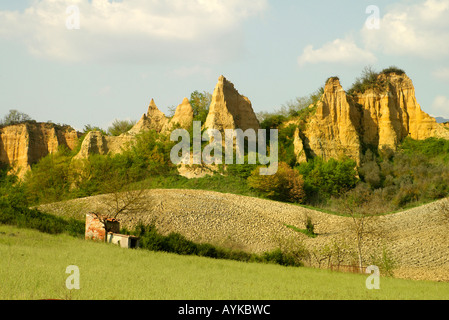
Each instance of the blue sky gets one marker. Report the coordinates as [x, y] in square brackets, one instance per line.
[127, 52]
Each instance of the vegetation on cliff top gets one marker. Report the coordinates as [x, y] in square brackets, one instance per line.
[370, 79]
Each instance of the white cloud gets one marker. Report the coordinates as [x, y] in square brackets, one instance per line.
[420, 29]
[337, 51]
[440, 106]
[132, 30]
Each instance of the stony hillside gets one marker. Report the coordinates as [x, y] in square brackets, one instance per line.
[417, 238]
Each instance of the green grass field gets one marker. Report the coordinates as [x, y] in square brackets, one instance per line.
[33, 266]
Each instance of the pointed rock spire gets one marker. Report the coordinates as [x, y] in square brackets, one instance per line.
[183, 115]
[153, 120]
[229, 109]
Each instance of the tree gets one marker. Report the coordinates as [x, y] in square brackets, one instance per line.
[11, 188]
[356, 205]
[285, 185]
[48, 181]
[120, 126]
[295, 108]
[88, 128]
[367, 80]
[298, 107]
[15, 117]
[120, 199]
[324, 179]
[200, 102]
[444, 208]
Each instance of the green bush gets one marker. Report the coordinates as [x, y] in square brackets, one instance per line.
[286, 147]
[151, 239]
[310, 227]
[385, 261]
[324, 179]
[285, 185]
[48, 181]
[272, 121]
[33, 219]
[278, 257]
[242, 171]
[309, 231]
[368, 80]
[393, 69]
[119, 127]
[433, 148]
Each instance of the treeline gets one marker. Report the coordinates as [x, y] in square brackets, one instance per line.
[385, 181]
[59, 176]
[14, 210]
[417, 173]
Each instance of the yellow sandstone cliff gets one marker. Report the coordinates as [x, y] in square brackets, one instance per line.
[24, 144]
[380, 117]
[333, 130]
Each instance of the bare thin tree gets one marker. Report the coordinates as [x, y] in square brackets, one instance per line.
[362, 220]
[444, 208]
[121, 198]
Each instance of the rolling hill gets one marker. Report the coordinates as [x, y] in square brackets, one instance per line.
[416, 238]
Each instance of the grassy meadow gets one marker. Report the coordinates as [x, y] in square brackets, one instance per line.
[33, 266]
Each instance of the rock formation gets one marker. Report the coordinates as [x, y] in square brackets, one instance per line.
[183, 115]
[379, 117]
[97, 143]
[229, 109]
[22, 145]
[154, 119]
[332, 131]
[390, 116]
[338, 124]
[298, 146]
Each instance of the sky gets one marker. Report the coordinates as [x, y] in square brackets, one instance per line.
[82, 62]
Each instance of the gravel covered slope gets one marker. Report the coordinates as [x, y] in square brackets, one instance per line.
[417, 238]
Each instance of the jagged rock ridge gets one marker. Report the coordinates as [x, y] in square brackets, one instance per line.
[344, 124]
[228, 110]
[97, 143]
